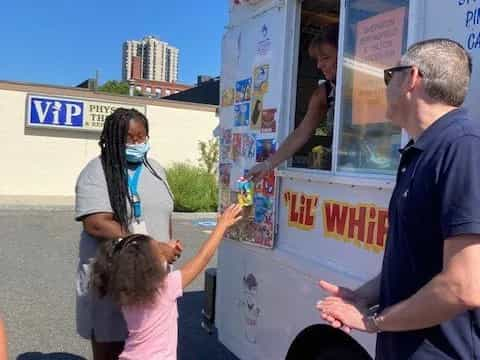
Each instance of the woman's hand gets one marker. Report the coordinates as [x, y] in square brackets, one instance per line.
[172, 250]
[176, 244]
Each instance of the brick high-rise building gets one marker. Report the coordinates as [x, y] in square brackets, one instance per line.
[158, 60]
[136, 69]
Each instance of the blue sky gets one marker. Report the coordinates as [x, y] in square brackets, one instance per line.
[63, 42]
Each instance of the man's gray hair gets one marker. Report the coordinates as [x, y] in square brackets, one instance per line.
[445, 66]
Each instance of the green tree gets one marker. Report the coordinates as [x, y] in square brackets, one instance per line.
[117, 88]
[209, 153]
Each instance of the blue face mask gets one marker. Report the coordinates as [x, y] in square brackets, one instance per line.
[136, 152]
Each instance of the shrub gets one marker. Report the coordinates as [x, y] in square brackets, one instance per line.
[193, 187]
[209, 152]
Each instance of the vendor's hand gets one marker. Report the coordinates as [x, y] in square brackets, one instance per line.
[342, 314]
[258, 171]
[172, 253]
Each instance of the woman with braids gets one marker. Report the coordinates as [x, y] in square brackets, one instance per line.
[119, 193]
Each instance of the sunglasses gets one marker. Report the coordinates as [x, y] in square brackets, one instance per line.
[388, 73]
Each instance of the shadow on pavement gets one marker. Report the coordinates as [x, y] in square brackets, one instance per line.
[191, 335]
[52, 356]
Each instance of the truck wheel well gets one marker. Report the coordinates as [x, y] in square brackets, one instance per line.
[316, 340]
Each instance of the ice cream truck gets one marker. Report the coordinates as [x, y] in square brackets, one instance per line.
[323, 213]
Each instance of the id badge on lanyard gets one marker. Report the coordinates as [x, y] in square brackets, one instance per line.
[138, 225]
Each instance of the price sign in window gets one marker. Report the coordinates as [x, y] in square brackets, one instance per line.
[375, 39]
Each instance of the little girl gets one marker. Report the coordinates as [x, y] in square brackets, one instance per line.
[133, 271]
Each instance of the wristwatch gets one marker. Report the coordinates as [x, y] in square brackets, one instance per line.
[372, 323]
[373, 319]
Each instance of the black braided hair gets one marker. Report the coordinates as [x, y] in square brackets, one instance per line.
[114, 162]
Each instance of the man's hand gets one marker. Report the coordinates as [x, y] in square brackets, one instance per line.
[343, 295]
[172, 250]
[337, 311]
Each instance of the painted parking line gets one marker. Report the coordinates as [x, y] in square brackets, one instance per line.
[206, 223]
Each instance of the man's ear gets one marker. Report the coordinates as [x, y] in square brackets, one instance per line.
[413, 78]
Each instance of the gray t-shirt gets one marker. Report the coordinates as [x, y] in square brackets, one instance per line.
[99, 316]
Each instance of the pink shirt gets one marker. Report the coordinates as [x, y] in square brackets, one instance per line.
[153, 330]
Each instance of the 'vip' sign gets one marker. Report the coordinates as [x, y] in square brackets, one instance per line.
[55, 112]
[70, 113]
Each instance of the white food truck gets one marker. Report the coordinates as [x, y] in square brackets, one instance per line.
[323, 213]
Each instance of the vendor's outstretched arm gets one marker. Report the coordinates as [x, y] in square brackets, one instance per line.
[317, 108]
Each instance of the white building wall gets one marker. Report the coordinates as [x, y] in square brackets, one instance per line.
[45, 162]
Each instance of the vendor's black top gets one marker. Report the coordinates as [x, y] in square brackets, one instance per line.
[436, 197]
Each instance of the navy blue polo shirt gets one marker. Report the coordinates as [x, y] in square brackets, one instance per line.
[437, 196]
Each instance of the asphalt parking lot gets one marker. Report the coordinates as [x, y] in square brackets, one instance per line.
[38, 254]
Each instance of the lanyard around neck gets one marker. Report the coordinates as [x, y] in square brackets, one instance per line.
[133, 188]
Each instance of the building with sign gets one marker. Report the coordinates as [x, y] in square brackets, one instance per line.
[49, 133]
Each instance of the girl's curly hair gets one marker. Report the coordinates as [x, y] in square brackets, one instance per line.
[128, 270]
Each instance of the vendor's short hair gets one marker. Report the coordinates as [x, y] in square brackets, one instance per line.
[446, 68]
[327, 34]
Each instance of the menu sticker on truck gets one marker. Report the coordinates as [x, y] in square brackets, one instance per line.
[260, 80]
[248, 146]
[236, 147]
[243, 90]
[241, 115]
[269, 124]
[228, 97]
[224, 174]
[225, 145]
[256, 119]
[265, 149]
[264, 44]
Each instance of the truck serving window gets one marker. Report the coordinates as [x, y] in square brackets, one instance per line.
[317, 152]
[375, 37]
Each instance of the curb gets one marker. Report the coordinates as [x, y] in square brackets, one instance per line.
[50, 203]
[194, 216]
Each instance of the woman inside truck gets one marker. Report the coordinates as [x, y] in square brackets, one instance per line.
[323, 49]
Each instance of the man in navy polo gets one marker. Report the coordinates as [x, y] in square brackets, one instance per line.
[428, 291]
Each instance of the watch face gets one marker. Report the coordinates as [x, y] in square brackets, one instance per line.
[373, 310]
[371, 324]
